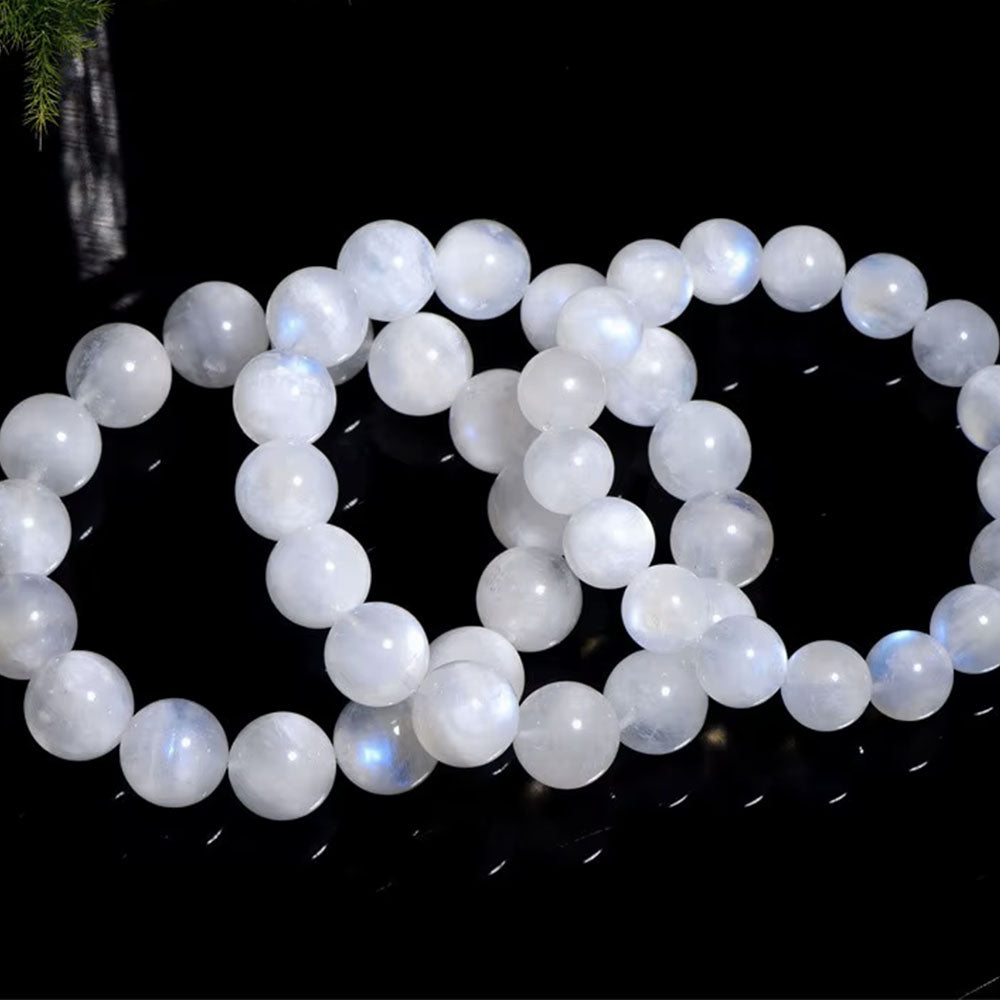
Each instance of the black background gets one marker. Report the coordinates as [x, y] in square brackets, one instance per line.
[763, 858]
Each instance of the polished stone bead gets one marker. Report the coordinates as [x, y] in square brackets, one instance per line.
[725, 600]
[356, 363]
[979, 408]
[480, 645]
[802, 268]
[912, 675]
[564, 470]
[966, 621]
[546, 296]
[884, 295]
[664, 607]
[559, 389]
[988, 482]
[518, 519]
[984, 556]
[656, 276]
[37, 622]
[568, 735]
[726, 536]
[827, 686]
[530, 597]
[174, 753]
[602, 324]
[741, 661]
[211, 331]
[953, 340]
[78, 705]
[482, 269]
[725, 259]
[608, 542]
[34, 528]
[376, 654]
[52, 440]
[282, 766]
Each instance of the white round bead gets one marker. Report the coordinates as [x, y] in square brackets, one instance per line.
[378, 750]
[211, 331]
[664, 607]
[78, 705]
[417, 365]
[486, 424]
[966, 621]
[564, 470]
[726, 536]
[884, 295]
[465, 714]
[355, 364]
[979, 408]
[699, 447]
[315, 312]
[517, 518]
[602, 324]
[984, 556]
[51, 439]
[285, 397]
[283, 486]
[656, 276]
[121, 373]
[479, 645]
[391, 266]
[559, 389]
[568, 735]
[482, 269]
[660, 705]
[659, 376]
[34, 528]
[316, 573]
[953, 340]
[912, 675]
[988, 482]
[530, 597]
[37, 622]
[174, 753]
[609, 542]
[827, 686]
[725, 600]
[546, 296]
[802, 268]
[740, 661]
[725, 259]
[376, 654]
[282, 766]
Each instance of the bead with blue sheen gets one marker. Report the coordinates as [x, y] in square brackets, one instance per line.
[741, 661]
[602, 324]
[884, 295]
[953, 340]
[912, 675]
[966, 621]
[725, 260]
[545, 297]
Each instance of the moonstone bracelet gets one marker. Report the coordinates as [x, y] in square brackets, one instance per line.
[601, 342]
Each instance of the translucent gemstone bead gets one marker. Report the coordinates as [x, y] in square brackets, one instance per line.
[884, 295]
[660, 705]
[656, 276]
[518, 519]
[283, 486]
[480, 645]
[827, 686]
[530, 597]
[34, 528]
[664, 607]
[699, 447]
[802, 268]
[316, 573]
[391, 266]
[966, 622]
[284, 397]
[953, 340]
[174, 753]
[211, 331]
[482, 269]
[988, 482]
[725, 600]
[602, 324]
[51, 439]
[725, 259]
[609, 542]
[564, 470]
[726, 536]
[568, 735]
[282, 766]
[315, 312]
[486, 424]
[984, 557]
[979, 408]
[378, 750]
[355, 364]
[78, 705]
[37, 623]
[121, 373]
[465, 714]
[376, 654]
[418, 364]
[559, 389]
[659, 376]
[741, 661]
[546, 296]
[912, 675]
